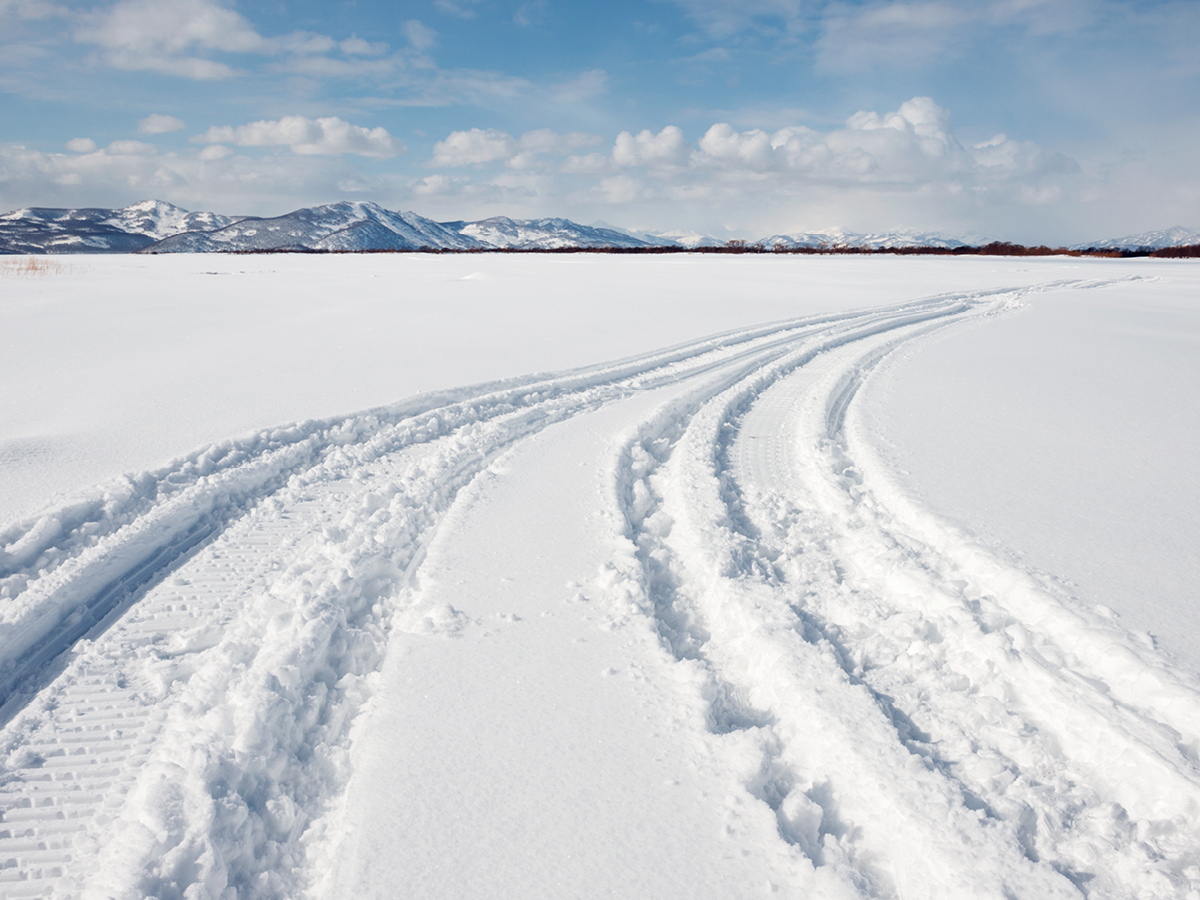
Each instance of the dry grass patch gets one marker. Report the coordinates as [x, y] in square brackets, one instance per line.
[37, 267]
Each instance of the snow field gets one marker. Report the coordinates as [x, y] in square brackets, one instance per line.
[670, 625]
[120, 364]
[263, 718]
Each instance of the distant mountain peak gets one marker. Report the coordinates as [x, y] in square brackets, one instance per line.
[353, 225]
[1175, 236]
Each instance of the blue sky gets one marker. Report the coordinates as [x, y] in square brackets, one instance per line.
[1031, 120]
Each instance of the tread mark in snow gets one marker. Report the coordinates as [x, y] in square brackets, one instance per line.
[764, 554]
[323, 521]
[198, 742]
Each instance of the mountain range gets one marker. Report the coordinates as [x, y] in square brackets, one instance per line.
[1147, 240]
[158, 227]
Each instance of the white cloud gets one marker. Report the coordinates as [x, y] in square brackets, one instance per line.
[474, 147]
[356, 46]
[479, 146]
[214, 152]
[421, 37]
[303, 43]
[130, 148]
[320, 66]
[583, 87]
[29, 10]
[912, 145]
[546, 141]
[898, 34]
[438, 186]
[587, 164]
[182, 37]
[456, 9]
[725, 17]
[667, 148]
[233, 183]
[620, 189]
[81, 145]
[168, 37]
[911, 151]
[307, 137]
[157, 123]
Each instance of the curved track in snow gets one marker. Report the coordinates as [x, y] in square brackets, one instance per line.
[184, 655]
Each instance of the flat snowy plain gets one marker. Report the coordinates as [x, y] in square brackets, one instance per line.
[808, 576]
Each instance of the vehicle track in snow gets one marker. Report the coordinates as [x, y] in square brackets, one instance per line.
[933, 721]
[197, 640]
[185, 653]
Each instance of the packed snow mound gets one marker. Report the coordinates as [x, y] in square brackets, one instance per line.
[348, 225]
[1175, 236]
[542, 234]
[836, 237]
[91, 230]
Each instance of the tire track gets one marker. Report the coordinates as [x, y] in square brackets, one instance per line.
[909, 742]
[227, 686]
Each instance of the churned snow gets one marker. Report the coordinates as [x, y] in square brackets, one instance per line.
[671, 577]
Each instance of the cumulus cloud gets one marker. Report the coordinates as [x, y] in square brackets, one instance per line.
[912, 149]
[81, 145]
[474, 147]
[156, 123]
[911, 146]
[479, 146]
[329, 136]
[222, 182]
[668, 147]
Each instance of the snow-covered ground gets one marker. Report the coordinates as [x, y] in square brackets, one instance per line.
[817, 577]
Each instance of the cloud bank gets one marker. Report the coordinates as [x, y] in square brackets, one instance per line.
[329, 136]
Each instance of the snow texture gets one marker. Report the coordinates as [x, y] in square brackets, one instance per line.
[670, 625]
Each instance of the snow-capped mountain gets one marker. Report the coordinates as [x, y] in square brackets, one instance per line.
[160, 220]
[836, 237]
[159, 227]
[45, 230]
[1147, 240]
[542, 234]
[689, 239]
[348, 225]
